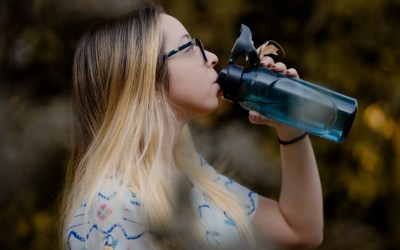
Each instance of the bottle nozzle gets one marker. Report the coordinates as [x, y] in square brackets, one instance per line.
[244, 46]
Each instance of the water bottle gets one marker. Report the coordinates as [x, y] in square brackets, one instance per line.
[295, 102]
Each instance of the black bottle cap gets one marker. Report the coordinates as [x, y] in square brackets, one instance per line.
[244, 47]
[229, 80]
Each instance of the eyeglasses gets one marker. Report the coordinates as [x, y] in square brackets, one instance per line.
[194, 42]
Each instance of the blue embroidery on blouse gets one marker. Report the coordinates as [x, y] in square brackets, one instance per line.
[107, 197]
[212, 238]
[77, 225]
[202, 161]
[126, 219]
[199, 209]
[110, 241]
[251, 208]
[91, 229]
[136, 203]
[107, 232]
[76, 236]
[229, 221]
[229, 182]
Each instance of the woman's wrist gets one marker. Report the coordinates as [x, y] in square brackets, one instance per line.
[293, 140]
[288, 135]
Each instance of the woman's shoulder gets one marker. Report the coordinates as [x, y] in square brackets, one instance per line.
[248, 197]
[219, 177]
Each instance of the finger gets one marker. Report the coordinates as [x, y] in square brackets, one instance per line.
[254, 117]
[279, 67]
[292, 73]
[257, 118]
[267, 61]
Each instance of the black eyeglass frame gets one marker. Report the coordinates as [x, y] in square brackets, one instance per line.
[195, 41]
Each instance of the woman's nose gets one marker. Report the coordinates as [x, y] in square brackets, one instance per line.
[212, 59]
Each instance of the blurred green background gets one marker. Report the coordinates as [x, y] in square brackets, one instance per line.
[348, 46]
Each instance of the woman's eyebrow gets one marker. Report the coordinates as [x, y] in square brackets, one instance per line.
[183, 37]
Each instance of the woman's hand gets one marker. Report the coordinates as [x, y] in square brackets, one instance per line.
[285, 132]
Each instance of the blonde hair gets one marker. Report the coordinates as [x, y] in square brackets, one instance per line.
[125, 126]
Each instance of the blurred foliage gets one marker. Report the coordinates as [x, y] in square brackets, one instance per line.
[348, 46]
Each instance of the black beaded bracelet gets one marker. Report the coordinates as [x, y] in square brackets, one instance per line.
[293, 140]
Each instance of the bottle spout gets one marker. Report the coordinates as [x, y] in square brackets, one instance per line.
[244, 46]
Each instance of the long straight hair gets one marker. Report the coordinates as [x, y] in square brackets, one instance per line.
[125, 126]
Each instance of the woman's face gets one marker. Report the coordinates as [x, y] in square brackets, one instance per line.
[192, 81]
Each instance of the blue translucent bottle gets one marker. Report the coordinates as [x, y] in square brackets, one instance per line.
[291, 101]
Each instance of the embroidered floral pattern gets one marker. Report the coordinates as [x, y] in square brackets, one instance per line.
[103, 212]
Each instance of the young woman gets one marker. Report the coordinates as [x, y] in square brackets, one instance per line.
[135, 179]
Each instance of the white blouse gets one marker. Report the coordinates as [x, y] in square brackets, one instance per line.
[118, 228]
